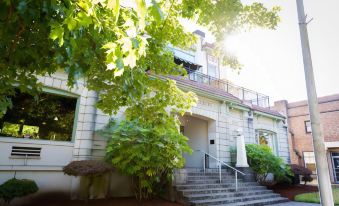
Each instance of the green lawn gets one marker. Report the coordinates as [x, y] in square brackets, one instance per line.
[313, 197]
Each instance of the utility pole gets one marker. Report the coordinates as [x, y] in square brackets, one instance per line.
[326, 196]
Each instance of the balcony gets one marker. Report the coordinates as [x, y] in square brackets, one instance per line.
[242, 93]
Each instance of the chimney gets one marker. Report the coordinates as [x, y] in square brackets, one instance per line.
[281, 106]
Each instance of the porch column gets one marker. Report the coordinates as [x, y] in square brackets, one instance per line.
[241, 150]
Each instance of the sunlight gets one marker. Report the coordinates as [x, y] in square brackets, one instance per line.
[232, 43]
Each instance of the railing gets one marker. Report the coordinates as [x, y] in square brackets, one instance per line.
[219, 166]
[242, 93]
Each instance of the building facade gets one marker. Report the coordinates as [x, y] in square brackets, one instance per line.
[36, 142]
[300, 132]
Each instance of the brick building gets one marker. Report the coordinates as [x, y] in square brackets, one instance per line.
[300, 134]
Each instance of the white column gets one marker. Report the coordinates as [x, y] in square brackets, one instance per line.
[241, 150]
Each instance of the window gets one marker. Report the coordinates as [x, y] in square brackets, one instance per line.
[49, 117]
[335, 161]
[308, 127]
[268, 138]
[182, 129]
[212, 65]
[212, 70]
[309, 161]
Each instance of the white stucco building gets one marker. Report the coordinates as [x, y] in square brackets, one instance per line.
[211, 126]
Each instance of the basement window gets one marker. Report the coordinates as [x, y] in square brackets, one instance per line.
[47, 117]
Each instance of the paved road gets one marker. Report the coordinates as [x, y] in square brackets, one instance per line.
[295, 204]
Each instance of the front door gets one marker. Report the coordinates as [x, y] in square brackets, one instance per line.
[195, 129]
[335, 160]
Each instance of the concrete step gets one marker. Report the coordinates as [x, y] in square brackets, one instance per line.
[192, 197]
[224, 201]
[260, 202]
[203, 188]
[210, 177]
[215, 185]
[209, 174]
[211, 181]
[187, 192]
[215, 170]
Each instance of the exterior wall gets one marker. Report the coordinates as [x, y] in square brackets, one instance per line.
[86, 144]
[219, 118]
[54, 155]
[224, 119]
[300, 141]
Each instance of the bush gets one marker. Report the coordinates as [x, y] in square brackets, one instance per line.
[298, 171]
[148, 154]
[264, 162]
[233, 155]
[87, 168]
[17, 188]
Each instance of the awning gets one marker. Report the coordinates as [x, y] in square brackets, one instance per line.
[188, 65]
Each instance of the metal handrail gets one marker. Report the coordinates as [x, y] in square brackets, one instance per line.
[256, 98]
[220, 163]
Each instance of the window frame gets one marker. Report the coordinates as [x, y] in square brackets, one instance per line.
[62, 93]
[303, 157]
[305, 125]
[275, 143]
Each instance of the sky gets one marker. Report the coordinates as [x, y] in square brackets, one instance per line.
[272, 59]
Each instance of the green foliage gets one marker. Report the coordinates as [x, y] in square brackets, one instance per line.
[110, 45]
[263, 162]
[299, 170]
[17, 188]
[233, 155]
[147, 153]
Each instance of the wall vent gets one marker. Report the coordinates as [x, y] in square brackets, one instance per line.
[26, 152]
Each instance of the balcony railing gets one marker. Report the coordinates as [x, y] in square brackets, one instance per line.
[242, 93]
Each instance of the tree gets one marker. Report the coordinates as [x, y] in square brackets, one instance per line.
[120, 51]
[110, 45]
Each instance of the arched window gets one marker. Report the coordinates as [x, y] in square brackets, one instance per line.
[269, 138]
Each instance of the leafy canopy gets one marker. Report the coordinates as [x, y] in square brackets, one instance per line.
[111, 45]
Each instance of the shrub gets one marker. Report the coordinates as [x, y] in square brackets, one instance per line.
[87, 168]
[17, 188]
[233, 155]
[298, 171]
[264, 162]
[146, 153]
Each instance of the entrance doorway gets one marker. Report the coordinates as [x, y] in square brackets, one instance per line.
[196, 130]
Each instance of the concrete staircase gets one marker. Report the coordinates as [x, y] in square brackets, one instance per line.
[203, 188]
